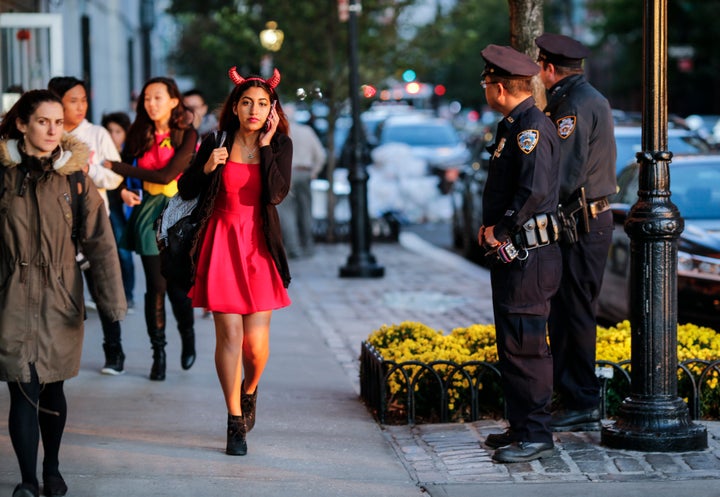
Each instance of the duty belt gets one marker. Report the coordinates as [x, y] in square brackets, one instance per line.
[596, 207]
[538, 231]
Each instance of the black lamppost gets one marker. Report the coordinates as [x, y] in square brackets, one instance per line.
[653, 417]
[360, 263]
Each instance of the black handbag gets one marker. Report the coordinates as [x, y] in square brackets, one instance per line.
[176, 230]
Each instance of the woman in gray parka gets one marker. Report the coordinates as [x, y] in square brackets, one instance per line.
[41, 286]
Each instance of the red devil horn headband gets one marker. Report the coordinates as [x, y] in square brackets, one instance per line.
[237, 79]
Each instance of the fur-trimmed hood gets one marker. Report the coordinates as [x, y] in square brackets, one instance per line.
[72, 155]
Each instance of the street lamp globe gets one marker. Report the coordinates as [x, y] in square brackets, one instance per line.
[271, 38]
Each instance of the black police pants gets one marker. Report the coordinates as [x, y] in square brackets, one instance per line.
[521, 303]
[573, 322]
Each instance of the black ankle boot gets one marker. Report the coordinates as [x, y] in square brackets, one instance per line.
[247, 404]
[187, 356]
[25, 490]
[157, 372]
[54, 486]
[236, 431]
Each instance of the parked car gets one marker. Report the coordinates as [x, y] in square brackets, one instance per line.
[431, 139]
[695, 190]
[628, 140]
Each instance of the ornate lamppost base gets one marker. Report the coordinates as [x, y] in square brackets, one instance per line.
[356, 268]
[652, 426]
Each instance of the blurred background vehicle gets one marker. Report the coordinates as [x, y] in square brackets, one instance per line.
[695, 187]
[431, 139]
[628, 140]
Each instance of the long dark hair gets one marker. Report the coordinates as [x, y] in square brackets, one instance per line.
[23, 109]
[141, 135]
[229, 121]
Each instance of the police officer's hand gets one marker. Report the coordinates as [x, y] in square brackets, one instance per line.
[486, 237]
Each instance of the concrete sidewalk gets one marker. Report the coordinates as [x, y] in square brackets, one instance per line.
[128, 436]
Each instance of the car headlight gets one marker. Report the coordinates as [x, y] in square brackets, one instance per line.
[698, 266]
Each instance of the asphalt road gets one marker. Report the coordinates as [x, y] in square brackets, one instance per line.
[437, 233]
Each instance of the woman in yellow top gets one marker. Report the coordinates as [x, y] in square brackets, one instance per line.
[162, 143]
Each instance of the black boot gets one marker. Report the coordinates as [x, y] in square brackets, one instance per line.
[114, 356]
[184, 315]
[236, 431]
[247, 404]
[155, 320]
[114, 359]
[187, 356]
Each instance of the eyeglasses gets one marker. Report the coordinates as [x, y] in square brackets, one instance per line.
[486, 83]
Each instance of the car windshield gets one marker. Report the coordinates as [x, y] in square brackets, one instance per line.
[420, 135]
[678, 144]
[695, 189]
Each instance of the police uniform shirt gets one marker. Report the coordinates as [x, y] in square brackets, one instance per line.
[523, 172]
[585, 127]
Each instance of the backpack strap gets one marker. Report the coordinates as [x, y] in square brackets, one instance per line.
[77, 182]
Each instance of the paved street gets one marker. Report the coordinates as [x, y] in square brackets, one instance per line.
[129, 436]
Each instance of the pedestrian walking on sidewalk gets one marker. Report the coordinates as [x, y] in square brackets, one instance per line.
[241, 270]
[296, 210]
[42, 313]
[118, 124]
[162, 143]
[584, 123]
[74, 96]
[519, 202]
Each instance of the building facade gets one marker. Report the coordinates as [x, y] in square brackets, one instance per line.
[113, 45]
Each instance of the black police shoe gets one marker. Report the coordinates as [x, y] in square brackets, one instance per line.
[524, 451]
[497, 440]
[575, 420]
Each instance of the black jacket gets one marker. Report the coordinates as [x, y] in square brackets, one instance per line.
[276, 168]
[585, 127]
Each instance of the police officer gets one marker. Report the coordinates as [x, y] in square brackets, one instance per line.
[521, 189]
[584, 126]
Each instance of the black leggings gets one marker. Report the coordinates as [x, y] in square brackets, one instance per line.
[36, 411]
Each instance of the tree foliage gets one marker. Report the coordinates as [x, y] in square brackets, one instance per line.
[691, 82]
[447, 51]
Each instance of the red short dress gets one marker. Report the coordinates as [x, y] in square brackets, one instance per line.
[235, 271]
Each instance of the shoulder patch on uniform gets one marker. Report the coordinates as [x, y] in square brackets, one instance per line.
[566, 126]
[528, 139]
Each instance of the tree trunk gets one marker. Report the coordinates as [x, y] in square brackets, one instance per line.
[526, 24]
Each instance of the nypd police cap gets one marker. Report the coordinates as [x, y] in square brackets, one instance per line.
[506, 62]
[561, 50]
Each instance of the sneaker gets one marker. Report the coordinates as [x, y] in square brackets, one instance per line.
[112, 370]
[114, 361]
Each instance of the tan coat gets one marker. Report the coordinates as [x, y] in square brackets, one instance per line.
[41, 286]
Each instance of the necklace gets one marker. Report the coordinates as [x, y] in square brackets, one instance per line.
[250, 153]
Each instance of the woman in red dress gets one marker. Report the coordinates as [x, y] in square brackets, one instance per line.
[241, 272]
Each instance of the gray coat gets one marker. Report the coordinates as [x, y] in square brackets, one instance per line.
[41, 286]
